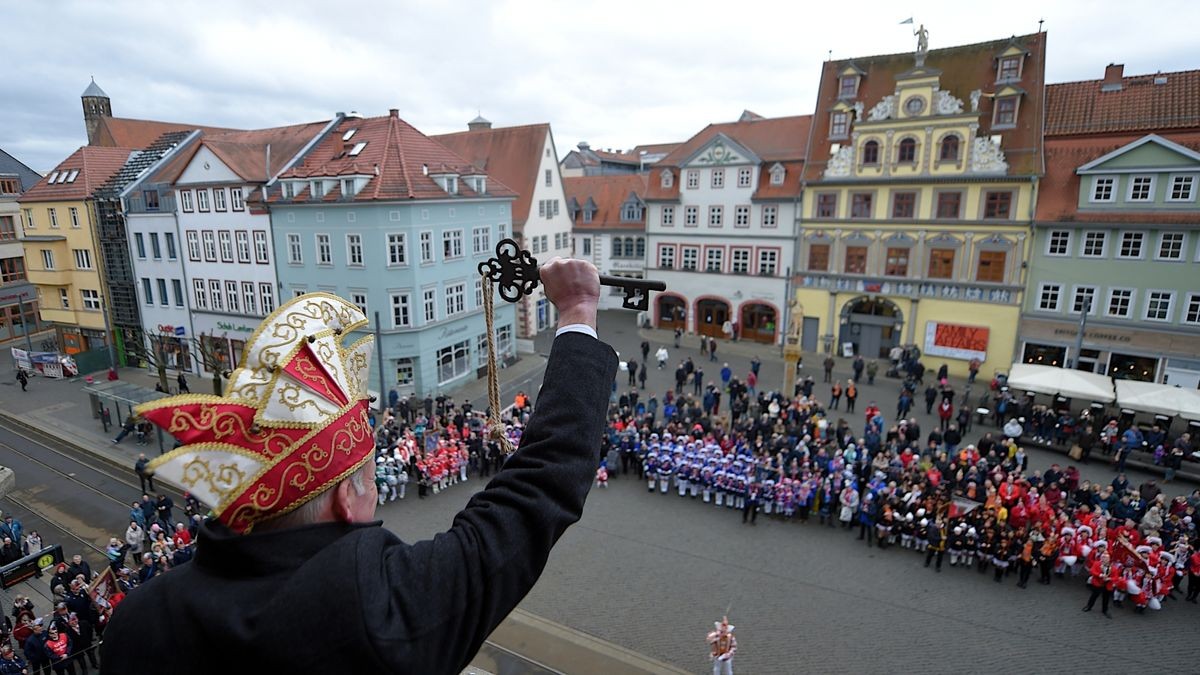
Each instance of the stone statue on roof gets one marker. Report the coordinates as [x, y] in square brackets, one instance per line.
[922, 39]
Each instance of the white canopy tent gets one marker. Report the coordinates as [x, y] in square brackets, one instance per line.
[1062, 381]
[1161, 399]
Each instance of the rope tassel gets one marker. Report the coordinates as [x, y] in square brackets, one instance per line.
[495, 427]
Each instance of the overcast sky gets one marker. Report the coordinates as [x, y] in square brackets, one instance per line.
[613, 73]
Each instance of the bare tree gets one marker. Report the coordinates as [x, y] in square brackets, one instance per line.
[211, 358]
[149, 350]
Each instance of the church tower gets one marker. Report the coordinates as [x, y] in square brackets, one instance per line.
[96, 104]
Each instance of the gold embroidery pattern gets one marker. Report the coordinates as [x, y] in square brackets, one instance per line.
[295, 398]
[222, 481]
[226, 424]
[312, 373]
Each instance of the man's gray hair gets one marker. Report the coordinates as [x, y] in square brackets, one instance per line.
[310, 511]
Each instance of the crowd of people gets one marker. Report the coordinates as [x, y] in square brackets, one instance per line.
[977, 506]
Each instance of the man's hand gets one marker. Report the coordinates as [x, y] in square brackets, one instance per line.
[574, 288]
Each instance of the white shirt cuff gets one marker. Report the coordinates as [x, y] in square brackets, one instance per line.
[577, 328]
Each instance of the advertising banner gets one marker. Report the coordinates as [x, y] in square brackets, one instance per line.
[956, 341]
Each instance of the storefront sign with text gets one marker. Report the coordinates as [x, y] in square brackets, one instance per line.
[956, 341]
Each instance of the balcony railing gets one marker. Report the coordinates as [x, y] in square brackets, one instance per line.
[137, 203]
[998, 294]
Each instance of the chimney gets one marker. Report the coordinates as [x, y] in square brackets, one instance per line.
[393, 112]
[1112, 77]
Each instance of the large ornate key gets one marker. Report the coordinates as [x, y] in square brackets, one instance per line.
[515, 273]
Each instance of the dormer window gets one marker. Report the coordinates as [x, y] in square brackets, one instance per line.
[452, 184]
[316, 189]
[1005, 114]
[777, 174]
[289, 191]
[587, 215]
[847, 86]
[478, 183]
[349, 186]
[631, 212]
[839, 124]
[1009, 69]
[668, 179]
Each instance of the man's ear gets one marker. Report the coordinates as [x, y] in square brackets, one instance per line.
[340, 502]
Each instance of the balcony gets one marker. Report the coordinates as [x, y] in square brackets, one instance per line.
[997, 294]
[150, 202]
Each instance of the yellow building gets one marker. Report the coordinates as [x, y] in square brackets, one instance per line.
[61, 253]
[920, 185]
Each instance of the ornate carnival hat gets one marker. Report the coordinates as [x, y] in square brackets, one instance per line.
[292, 423]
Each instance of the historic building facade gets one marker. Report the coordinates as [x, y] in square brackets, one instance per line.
[524, 159]
[1117, 233]
[722, 225]
[608, 214]
[62, 255]
[919, 200]
[18, 297]
[378, 213]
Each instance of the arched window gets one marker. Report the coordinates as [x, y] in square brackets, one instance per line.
[871, 152]
[907, 151]
[949, 151]
[641, 247]
[628, 247]
[616, 247]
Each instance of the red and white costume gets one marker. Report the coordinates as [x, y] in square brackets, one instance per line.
[722, 646]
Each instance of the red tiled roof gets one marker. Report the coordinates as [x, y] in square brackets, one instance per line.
[1058, 191]
[1139, 106]
[654, 148]
[963, 69]
[396, 156]
[608, 193]
[511, 154]
[244, 152]
[95, 166]
[773, 139]
[790, 188]
[121, 132]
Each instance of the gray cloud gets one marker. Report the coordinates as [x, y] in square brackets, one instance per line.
[614, 73]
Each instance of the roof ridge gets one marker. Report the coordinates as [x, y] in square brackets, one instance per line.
[403, 159]
[1124, 77]
[935, 51]
[493, 129]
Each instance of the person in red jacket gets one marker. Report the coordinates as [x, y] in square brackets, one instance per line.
[1103, 579]
[1193, 569]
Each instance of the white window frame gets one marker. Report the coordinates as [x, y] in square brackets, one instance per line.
[1043, 288]
[249, 298]
[1112, 292]
[739, 257]
[193, 246]
[1083, 244]
[209, 239]
[1158, 249]
[481, 239]
[693, 179]
[741, 216]
[324, 249]
[262, 247]
[1075, 292]
[716, 216]
[53, 217]
[455, 296]
[683, 258]
[666, 254]
[1066, 248]
[401, 309]
[295, 249]
[91, 299]
[233, 297]
[147, 291]
[185, 201]
[1150, 293]
[64, 298]
[716, 178]
[242, 244]
[426, 247]
[359, 299]
[397, 249]
[1191, 183]
[429, 304]
[74, 217]
[1191, 306]
[47, 259]
[478, 293]
[691, 216]
[1108, 181]
[83, 259]
[745, 177]
[235, 199]
[214, 295]
[453, 241]
[1133, 179]
[202, 200]
[225, 243]
[718, 258]
[459, 364]
[354, 250]
[666, 179]
[219, 202]
[770, 215]
[200, 293]
[1120, 253]
[772, 264]
[266, 297]
[668, 216]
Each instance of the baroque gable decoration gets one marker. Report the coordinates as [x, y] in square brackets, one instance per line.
[885, 109]
[944, 103]
[987, 157]
[718, 153]
[841, 163]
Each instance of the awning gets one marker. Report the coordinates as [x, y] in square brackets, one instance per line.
[1161, 399]
[1063, 381]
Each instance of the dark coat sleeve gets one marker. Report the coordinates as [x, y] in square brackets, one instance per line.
[444, 596]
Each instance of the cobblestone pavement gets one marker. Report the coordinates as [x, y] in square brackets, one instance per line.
[651, 572]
